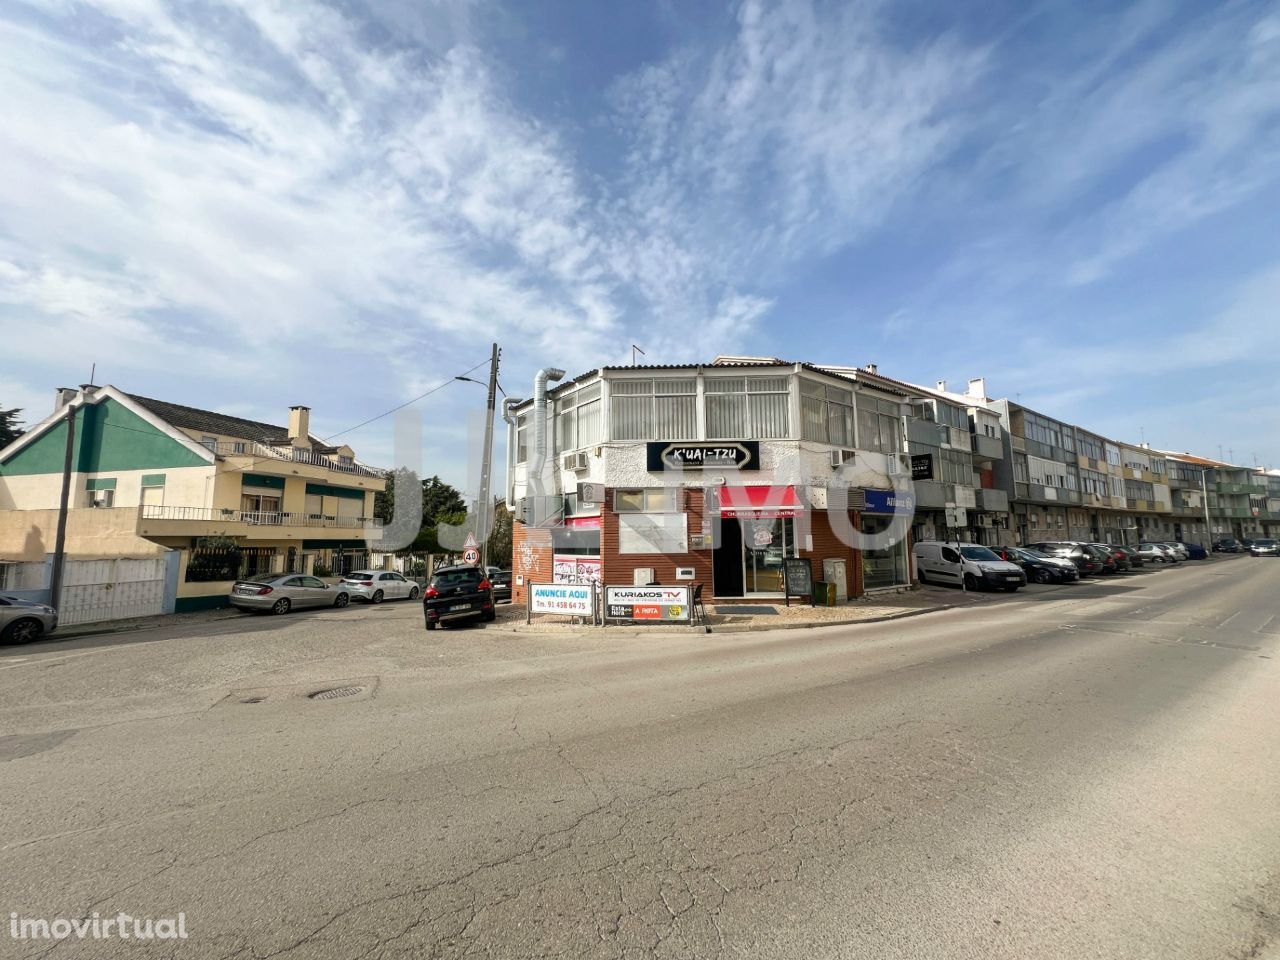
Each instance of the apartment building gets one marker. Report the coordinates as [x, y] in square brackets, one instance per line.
[711, 473]
[232, 497]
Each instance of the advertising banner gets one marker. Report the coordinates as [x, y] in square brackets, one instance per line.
[575, 568]
[566, 599]
[648, 604]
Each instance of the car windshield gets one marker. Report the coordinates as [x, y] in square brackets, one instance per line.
[1032, 554]
[455, 578]
[1264, 543]
[977, 553]
[263, 578]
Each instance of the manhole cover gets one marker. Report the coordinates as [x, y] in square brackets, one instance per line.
[335, 693]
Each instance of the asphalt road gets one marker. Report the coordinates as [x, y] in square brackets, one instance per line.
[1087, 772]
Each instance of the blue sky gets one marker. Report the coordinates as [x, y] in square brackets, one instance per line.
[253, 204]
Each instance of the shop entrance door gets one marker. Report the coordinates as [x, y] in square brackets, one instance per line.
[726, 561]
[765, 544]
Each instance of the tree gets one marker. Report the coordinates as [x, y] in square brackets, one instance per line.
[438, 500]
[9, 429]
[500, 539]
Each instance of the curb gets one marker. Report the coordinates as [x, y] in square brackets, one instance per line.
[92, 630]
[745, 628]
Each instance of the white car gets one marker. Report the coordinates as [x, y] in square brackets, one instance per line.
[378, 585]
[1182, 552]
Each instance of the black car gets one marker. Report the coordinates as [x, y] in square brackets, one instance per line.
[1039, 567]
[1226, 545]
[457, 593]
[501, 580]
[1086, 561]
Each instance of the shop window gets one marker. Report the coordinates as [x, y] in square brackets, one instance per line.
[646, 500]
[653, 533]
[887, 566]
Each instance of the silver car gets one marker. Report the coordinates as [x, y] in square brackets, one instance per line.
[282, 592]
[1182, 552]
[22, 621]
[378, 585]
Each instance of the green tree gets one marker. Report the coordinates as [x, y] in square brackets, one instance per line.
[439, 500]
[9, 429]
[500, 540]
[441, 503]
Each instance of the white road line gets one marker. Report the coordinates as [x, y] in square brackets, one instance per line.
[1230, 618]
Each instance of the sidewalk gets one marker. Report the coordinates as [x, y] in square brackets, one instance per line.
[722, 618]
[143, 623]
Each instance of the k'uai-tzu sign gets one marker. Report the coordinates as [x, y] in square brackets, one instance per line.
[712, 455]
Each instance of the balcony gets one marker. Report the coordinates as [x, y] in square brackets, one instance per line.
[990, 448]
[262, 451]
[993, 501]
[156, 520]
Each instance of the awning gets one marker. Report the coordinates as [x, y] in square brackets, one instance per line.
[582, 523]
[760, 503]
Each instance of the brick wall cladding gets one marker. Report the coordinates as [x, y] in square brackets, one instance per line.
[827, 546]
[531, 557]
[619, 568]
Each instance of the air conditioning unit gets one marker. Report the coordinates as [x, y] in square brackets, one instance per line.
[840, 457]
[574, 461]
[100, 500]
[899, 463]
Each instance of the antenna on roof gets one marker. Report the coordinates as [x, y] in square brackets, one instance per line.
[92, 371]
[634, 351]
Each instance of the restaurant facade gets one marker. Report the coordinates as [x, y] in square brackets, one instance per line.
[712, 475]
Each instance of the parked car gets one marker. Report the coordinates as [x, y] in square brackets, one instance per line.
[457, 593]
[1104, 557]
[281, 592]
[22, 621]
[1195, 551]
[374, 586]
[1118, 556]
[1157, 553]
[501, 580]
[1246, 544]
[1226, 545]
[969, 563]
[1084, 560]
[1265, 548]
[1038, 566]
[1177, 548]
[1135, 557]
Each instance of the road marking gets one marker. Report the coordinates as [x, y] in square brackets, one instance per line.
[1230, 618]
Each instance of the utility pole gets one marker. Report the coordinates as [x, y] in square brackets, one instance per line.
[1204, 499]
[486, 462]
[60, 539]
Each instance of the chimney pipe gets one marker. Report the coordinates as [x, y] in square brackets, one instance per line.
[942, 386]
[61, 397]
[300, 425]
[978, 388]
[541, 428]
[871, 368]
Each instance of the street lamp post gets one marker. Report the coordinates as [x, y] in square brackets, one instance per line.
[486, 459]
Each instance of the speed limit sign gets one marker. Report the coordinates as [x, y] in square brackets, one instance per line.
[471, 556]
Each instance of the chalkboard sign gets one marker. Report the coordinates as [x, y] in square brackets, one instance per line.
[797, 575]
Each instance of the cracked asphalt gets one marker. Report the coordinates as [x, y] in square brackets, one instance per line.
[1086, 771]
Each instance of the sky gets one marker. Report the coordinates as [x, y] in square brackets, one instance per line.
[252, 204]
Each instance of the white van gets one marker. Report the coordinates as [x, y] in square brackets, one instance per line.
[972, 564]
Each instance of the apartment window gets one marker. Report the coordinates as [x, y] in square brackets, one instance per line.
[1113, 455]
[1139, 490]
[261, 507]
[1091, 447]
[879, 425]
[1068, 439]
[1020, 473]
[991, 429]
[957, 467]
[210, 442]
[522, 438]
[578, 422]
[1158, 467]
[646, 500]
[747, 407]
[100, 491]
[657, 409]
[826, 413]
[344, 460]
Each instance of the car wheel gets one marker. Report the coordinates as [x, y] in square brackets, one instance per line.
[921, 577]
[377, 597]
[341, 600]
[22, 631]
[281, 606]
[430, 625]
[970, 582]
[1043, 576]
[1013, 587]
[413, 594]
[489, 617]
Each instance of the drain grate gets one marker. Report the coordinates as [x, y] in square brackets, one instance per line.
[335, 693]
